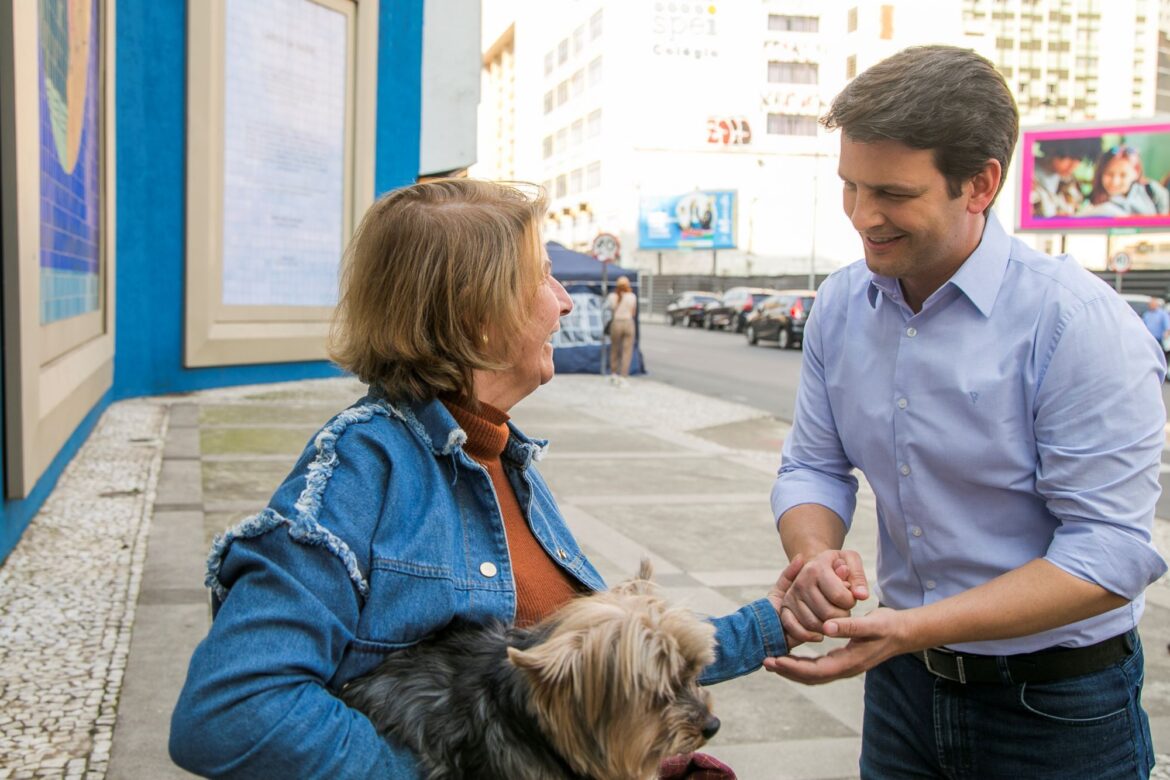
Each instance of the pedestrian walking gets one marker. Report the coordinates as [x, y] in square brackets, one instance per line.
[975, 382]
[622, 305]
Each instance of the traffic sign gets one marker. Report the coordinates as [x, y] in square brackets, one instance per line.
[606, 247]
[1120, 263]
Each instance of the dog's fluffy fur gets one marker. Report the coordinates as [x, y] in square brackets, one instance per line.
[604, 689]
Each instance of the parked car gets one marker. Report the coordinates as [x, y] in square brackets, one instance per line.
[732, 311]
[687, 309]
[780, 318]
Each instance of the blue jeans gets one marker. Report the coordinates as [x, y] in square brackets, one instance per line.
[920, 726]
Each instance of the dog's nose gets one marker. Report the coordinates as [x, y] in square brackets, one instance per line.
[711, 727]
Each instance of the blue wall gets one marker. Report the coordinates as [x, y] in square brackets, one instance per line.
[150, 183]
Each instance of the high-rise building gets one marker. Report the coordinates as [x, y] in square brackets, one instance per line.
[618, 102]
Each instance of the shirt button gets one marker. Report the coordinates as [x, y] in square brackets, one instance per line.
[488, 569]
[902, 402]
[911, 332]
[905, 469]
[916, 531]
[930, 584]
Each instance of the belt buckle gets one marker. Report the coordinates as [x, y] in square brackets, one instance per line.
[937, 673]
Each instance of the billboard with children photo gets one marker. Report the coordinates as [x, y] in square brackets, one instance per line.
[1095, 177]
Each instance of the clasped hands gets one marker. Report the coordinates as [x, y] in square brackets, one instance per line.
[814, 598]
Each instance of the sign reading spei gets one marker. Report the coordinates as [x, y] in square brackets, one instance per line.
[702, 219]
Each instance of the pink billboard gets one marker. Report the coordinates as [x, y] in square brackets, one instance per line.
[1097, 177]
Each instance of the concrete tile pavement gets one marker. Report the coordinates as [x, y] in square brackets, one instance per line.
[94, 641]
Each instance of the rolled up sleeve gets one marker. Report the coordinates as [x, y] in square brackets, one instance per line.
[814, 468]
[1100, 431]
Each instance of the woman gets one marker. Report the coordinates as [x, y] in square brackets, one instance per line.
[622, 305]
[1121, 189]
[417, 505]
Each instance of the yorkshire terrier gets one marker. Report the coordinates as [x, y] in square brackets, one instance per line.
[603, 689]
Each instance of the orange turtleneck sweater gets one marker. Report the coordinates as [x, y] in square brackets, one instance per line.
[541, 585]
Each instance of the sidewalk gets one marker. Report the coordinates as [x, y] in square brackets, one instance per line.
[102, 602]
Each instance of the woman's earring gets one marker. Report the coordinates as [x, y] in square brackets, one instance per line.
[484, 337]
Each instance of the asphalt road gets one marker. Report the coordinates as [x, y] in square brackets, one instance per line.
[722, 364]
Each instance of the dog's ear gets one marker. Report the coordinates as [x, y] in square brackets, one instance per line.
[549, 662]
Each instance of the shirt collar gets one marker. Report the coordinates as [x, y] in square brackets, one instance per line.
[979, 277]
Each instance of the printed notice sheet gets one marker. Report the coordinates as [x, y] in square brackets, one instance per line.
[284, 152]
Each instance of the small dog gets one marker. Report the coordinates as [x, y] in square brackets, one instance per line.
[603, 689]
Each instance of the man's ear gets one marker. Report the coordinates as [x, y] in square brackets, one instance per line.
[984, 186]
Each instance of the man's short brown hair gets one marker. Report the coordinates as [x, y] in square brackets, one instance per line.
[436, 280]
[949, 100]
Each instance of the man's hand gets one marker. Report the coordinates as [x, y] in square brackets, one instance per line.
[872, 639]
[828, 586]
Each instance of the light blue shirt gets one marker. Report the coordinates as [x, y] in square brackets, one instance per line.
[1018, 415]
[1157, 322]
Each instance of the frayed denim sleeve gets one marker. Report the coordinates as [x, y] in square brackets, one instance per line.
[743, 640]
[290, 584]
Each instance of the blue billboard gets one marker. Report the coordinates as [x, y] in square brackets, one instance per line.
[702, 219]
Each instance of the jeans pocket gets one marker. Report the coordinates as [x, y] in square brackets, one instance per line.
[1088, 700]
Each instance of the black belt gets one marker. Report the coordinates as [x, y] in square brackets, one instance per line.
[1041, 666]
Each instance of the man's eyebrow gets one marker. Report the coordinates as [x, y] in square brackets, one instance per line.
[894, 187]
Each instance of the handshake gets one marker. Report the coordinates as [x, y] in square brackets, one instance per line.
[813, 599]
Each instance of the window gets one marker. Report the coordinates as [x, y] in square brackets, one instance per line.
[578, 39]
[851, 66]
[577, 132]
[595, 26]
[851, 23]
[792, 124]
[549, 63]
[562, 141]
[577, 83]
[549, 101]
[547, 145]
[562, 93]
[792, 72]
[887, 31]
[595, 72]
[563, 51]
[576, 177]
[593, 176]
[593, 124]
[562, 186]
[794, 23]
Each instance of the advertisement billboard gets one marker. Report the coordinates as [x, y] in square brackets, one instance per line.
[702, 219]
[1097, 177]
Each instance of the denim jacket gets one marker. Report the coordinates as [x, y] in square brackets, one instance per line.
[384, 531]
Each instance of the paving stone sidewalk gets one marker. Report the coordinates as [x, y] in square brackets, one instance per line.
[102, 601]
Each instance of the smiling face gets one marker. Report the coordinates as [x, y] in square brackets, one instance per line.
[1118, 176]
[530, 351]
[910, 226]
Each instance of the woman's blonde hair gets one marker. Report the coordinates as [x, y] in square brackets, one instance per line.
[436, 280]
[623, 285]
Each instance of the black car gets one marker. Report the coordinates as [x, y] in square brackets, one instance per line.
[781, 318]
[733, 310]
[687, 309]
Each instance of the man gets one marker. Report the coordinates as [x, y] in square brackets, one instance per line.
[1056, 192]
[974, 381]
[1157, 320]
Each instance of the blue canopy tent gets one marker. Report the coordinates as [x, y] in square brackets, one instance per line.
[579, 344]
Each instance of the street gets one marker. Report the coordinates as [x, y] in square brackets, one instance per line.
[722, 365]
